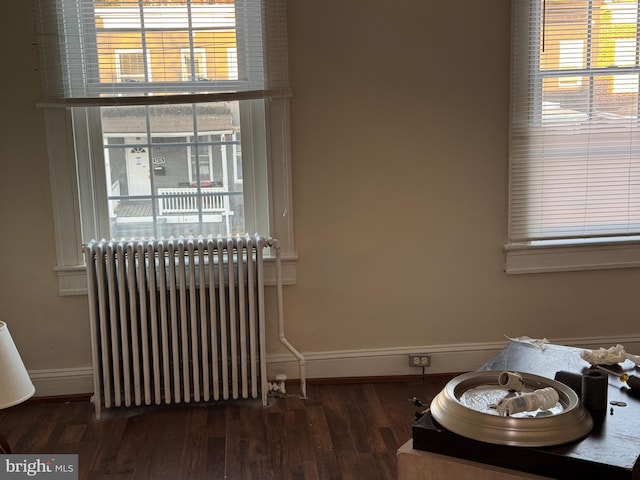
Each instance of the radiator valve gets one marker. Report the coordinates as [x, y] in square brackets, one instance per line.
[278, 387]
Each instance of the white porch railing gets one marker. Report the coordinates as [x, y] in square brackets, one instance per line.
[186, 200]
[113, 204]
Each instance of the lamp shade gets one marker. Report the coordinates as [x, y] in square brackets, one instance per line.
[15, 384]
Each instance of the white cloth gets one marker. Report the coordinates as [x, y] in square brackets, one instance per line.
[609, 356]
[541, 343]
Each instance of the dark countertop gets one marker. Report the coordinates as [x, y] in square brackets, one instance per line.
[611, 451]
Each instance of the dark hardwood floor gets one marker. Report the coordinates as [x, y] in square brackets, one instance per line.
[340, 431]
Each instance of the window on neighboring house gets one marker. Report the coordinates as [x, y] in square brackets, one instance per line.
[625, 56]
[138, 155]
[574, 199]
[130, 66]
[194, 64]
[571, 57]
[232, 55]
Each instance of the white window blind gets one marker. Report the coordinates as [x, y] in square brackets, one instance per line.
[575, 135]
[79, 43]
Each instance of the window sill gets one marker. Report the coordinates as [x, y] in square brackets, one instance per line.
[566, 257]
[72, 280]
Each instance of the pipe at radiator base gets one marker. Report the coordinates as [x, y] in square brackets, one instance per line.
[281, 336]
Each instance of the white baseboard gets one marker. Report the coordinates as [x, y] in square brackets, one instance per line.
[383, 362]
[68, 381]
[450, 358]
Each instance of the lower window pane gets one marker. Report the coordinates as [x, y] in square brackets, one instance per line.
[173, 170]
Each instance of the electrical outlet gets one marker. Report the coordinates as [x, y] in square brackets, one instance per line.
[419, 360]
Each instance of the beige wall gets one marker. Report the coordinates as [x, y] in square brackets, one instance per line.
[399, 151]
[51, 332]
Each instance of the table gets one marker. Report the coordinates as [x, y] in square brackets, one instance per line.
[611, 451]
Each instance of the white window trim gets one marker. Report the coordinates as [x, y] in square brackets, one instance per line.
[237, 179]
[78, 187]
[186, 67]
[624, 56]
[68, 215]
[571, 57]
[556, 257]
[118, 55]
[232, 55]
[574, 254]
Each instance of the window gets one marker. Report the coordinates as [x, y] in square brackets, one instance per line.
[142, 155]
[237, 164]
[194, 64]
[574, 199]
[130, 66]
[625, 56]
[571, 57]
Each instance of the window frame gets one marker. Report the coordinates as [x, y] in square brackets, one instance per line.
[79, 190]
[572, 254]
[75, 210]
[119, 52]
[187, 64]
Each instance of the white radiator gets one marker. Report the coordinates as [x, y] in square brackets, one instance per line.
[178, 320]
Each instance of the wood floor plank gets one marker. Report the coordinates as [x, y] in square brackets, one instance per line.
[235, 445]
[278, 448]
[386, 464]
[216, 458]
[216, 440]
[193, 462]
[336, 405]
[389, 439]
[18, 427]
[72, 434]
[363, 422]
[299, 441]
[358, 466]
[324, 451]
[374, 408]
[293, 400]
[170, 427]
[39, 427]
[87, 449]
[134, 438]
[108, 436]
[128, 475]
[247, 451]
[400, 411]
[216, 419]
